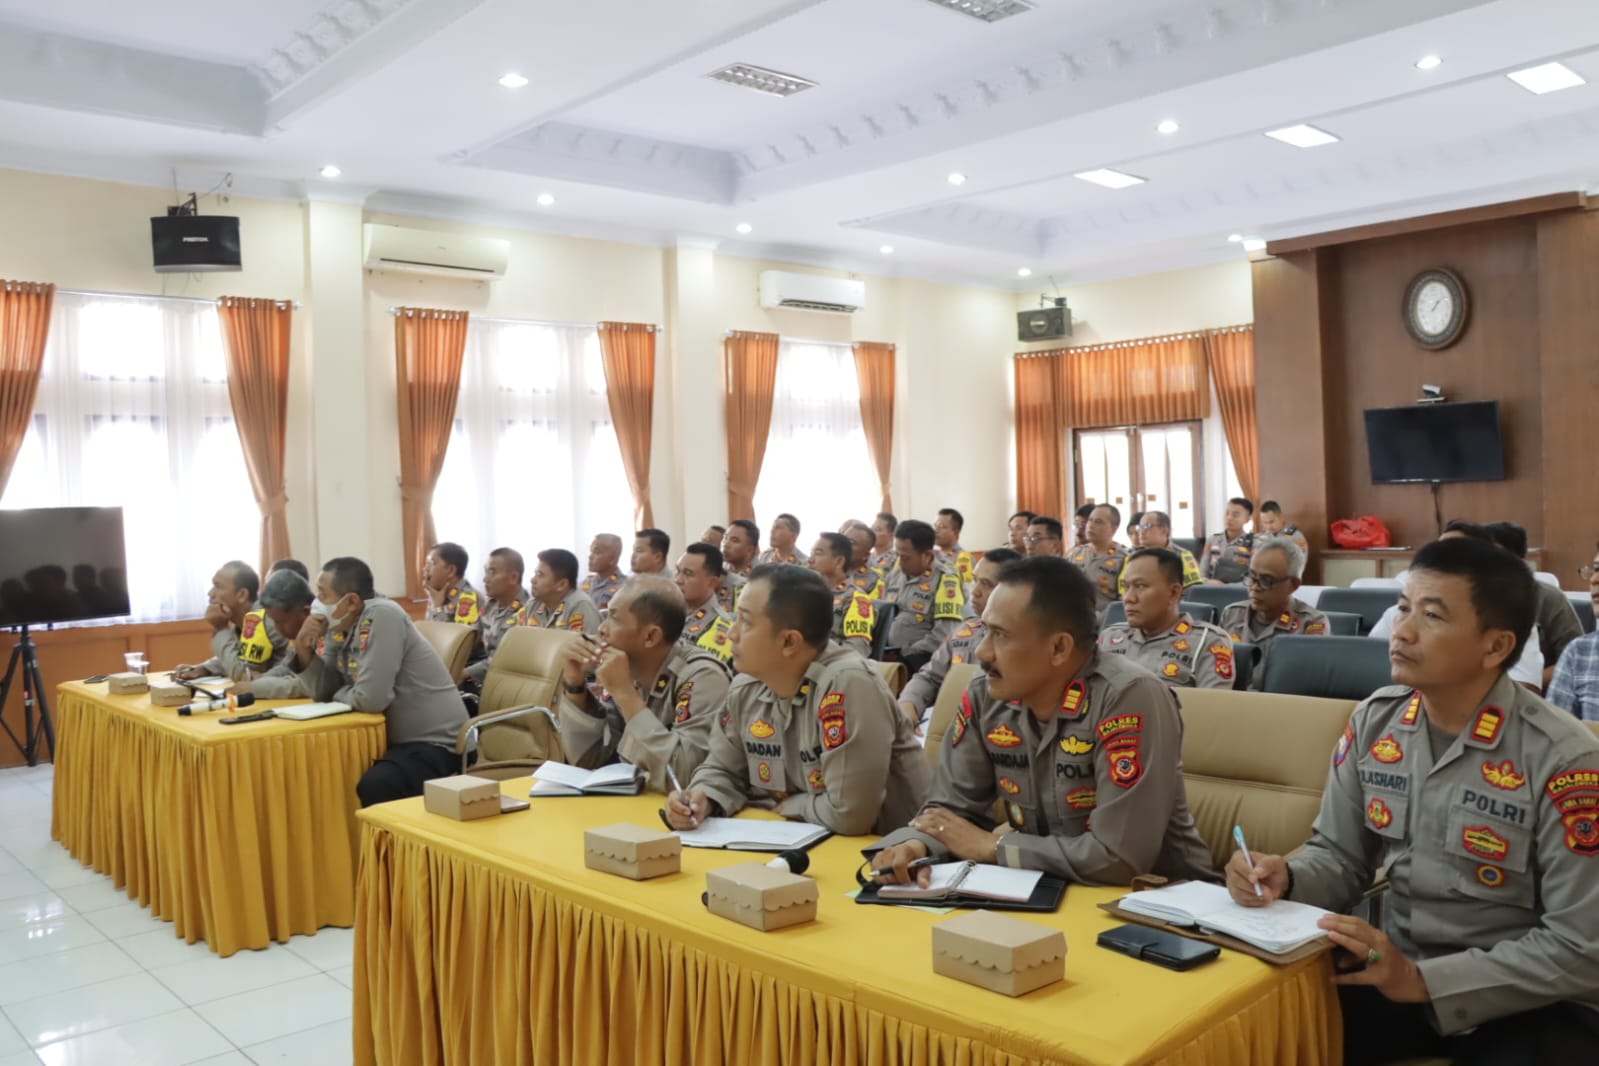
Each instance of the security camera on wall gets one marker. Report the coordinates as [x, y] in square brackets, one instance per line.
[1431, 394]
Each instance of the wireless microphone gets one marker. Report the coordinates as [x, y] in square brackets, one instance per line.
[794, 862]
[221, 703]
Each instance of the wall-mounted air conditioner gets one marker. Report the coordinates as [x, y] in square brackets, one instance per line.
[420, 251]
[812, 292]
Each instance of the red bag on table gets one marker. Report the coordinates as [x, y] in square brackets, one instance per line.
[1357, 533]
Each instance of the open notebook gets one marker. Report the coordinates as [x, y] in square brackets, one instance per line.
[559, 779]
[753, 834]
[968, 880]
[301, 712]
[1279, 927]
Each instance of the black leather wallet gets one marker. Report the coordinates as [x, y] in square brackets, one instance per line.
[1163, 949]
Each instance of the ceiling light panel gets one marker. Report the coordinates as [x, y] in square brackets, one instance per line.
[1302, 136]
[1547, 78]
[1110, 179]
[761, 80]
[986, 10]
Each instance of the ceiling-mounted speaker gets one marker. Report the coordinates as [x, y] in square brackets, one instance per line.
[184, 244]
[1044, 324]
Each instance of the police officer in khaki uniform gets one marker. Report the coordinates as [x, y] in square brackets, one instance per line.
[1225, 559]
[740, 547]
[885, 556]
[930, 600]
[283, 608]
[1155, 530]
[1045, 536]
[503, 597]
[557, 603]
[1158, 635]
[1016, 531]
[785, 532]
[810, 729]
[605, 571]
[863, 576]
[1101, 558]
[853, 617]
[947, 538]
[1272, 610]
[1271, 523]
[366, 652]
[699, 575]
[244, 642]
[1481, 800]
[451, 597]
[1082, 750]
[921, 692]
[652, 699]
[651, 549]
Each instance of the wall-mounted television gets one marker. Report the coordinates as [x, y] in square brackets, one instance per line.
[1435, 442]
[62, 564]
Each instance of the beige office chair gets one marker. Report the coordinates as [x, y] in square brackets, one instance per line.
[892, 673]
[948, 702]
[454, 643]
[516, 728]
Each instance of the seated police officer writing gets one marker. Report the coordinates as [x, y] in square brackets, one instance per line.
[1482, 801]
[1083, 749]
[810, 729]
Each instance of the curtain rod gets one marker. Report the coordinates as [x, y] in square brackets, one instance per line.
[1134, 342]
[213, 301]
[473, 316]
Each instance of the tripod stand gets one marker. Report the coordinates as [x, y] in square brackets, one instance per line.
[26, 653]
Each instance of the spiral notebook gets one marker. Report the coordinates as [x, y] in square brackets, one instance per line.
[968, 880]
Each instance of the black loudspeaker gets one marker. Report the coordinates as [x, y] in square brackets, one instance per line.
[185, 244]
[1045, 324]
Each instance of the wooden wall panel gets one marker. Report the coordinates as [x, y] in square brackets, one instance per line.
[1568, 314]
[79, 652]
[1373, 362]
[1288, 390]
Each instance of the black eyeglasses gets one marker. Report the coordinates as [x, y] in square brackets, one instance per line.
[1262, 581]
[1037, 538]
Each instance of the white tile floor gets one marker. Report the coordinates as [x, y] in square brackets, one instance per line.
[89, 978]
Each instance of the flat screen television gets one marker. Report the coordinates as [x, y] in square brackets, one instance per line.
[1435, 442]
[62, 564]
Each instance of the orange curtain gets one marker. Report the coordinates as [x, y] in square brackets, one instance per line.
[428, 348]
[1231, 353]
[628, 352]
[874, 370]
[1159, 379]
[1040, 435]
[257, 335]
[749, 378]
[24, 328]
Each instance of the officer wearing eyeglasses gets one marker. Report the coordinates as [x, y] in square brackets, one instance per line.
[1272, 610]
[1044, 536]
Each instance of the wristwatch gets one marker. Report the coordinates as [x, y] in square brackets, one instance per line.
[574, 690]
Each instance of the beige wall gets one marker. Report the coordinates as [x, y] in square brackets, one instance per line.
[953, 438]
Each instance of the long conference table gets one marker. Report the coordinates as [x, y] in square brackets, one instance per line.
[239, 835]
[490, 942]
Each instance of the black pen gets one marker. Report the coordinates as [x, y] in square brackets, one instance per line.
[914, 864]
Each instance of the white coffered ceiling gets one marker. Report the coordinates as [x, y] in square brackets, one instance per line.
[621, 125]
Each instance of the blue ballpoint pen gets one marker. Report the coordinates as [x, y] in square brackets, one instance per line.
[1238, 835]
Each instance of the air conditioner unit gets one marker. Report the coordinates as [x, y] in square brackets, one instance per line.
[812, 292]
[420, 251]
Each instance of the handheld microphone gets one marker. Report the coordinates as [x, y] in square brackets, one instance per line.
[220, 703]
[794, 862]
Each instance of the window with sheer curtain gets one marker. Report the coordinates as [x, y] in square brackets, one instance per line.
[133, 412]
[533, 461]
[817, 467]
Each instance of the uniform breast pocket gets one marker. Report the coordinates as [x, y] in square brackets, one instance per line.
[1386, 813]
[1489, 859]
[767, 772]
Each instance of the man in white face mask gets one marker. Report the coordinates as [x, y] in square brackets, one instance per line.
[366, 652]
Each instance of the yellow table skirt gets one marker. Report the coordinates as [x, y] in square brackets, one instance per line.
[490, 942]
[238, 835]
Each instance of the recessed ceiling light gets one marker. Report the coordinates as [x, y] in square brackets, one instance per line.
[1110, 179]
[546, 200]
[1167, 127]
[512, 80]
[1254, 244]
[744, 227]
[987, 10]
[1302, 136]
[1234, 238]
[887, 249]
[1024, 272]
[956, 178]
[762, 80]
[1429, 63]
[331, 171]
[1548, 78]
